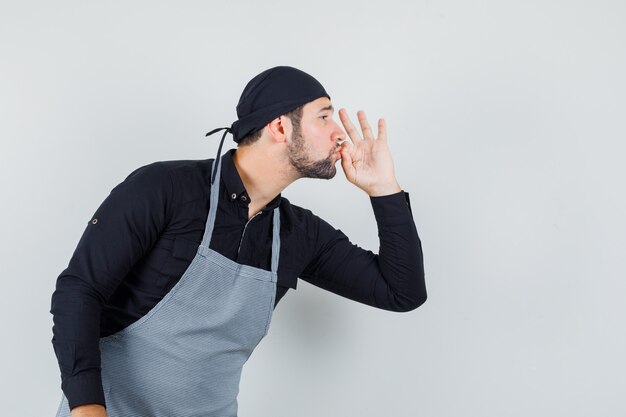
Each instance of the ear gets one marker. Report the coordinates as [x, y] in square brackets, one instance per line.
[279, 128]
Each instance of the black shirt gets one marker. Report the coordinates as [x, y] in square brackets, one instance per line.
[145, 233]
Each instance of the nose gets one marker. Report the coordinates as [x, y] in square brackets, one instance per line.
[338, 134]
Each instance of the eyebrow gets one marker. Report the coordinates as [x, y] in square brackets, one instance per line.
[331, 108]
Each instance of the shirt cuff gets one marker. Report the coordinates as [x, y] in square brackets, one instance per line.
[84, 388]
[392, 209]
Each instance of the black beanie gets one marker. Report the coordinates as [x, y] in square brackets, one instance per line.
[272, 93]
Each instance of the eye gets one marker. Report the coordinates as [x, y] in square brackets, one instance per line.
[323, 117]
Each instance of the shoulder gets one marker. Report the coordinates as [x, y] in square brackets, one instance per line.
[308, 234]
[300, 220]
[177, 181]
[177, 166]
[178, 172]
[184, 167]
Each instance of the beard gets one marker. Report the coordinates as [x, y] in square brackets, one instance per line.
[304, 165]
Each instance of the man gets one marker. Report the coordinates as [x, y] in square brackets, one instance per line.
[175, 279]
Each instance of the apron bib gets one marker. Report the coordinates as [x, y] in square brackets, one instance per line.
[185, 356]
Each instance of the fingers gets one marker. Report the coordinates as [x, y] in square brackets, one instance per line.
[368, 134]
[365, 126]
[347, 124]
[382, 129]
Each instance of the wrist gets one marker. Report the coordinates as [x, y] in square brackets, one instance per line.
[89, 410]
[383, 190]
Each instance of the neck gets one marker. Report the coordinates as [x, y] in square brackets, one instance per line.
[264, 173]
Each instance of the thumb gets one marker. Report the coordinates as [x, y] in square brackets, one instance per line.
[346, 163]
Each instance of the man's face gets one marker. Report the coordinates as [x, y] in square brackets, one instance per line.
[314, 144]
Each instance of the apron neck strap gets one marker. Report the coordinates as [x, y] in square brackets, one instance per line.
[219, 149]
[214, 199]
[275, 240]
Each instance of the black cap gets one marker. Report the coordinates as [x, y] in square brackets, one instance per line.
[272, 93]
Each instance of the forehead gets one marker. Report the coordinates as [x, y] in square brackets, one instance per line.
[318, 105]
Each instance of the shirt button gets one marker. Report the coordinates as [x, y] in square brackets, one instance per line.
[243, 198]
[233, 196]
[94, 221]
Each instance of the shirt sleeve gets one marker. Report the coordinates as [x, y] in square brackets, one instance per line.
[391, 280]
[122, 230]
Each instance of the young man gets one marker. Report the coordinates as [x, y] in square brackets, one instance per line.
[175, 279]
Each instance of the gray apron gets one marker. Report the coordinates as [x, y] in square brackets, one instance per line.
[185, 356]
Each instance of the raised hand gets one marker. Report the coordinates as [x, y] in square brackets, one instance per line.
[367, 161]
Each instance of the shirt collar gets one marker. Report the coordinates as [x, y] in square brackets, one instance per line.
[232, 181]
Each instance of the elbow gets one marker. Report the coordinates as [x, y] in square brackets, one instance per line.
[408, 296]
[413, 304]
[416, 296]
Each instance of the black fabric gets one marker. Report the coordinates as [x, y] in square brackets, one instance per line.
[274, 92]
[144, 235]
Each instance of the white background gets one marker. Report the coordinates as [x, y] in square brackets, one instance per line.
[506, 123]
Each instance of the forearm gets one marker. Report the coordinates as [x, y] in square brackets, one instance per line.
[400, 257]
[76, 335]
[392, 280]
